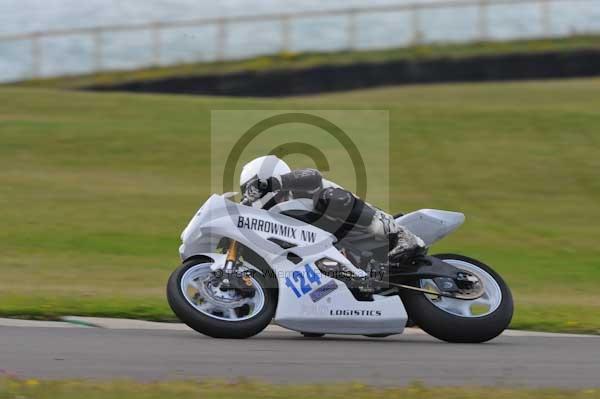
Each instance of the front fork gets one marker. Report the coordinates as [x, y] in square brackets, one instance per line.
[232, 257]
[230, 277]
[231, 261]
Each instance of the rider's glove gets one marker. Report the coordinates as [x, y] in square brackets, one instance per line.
[257, 189]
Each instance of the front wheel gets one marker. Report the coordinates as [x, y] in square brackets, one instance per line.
[197, 298]
[458, 320]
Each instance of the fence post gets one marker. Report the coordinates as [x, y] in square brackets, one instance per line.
[285, 33]
[36, 55]
[156, 43]
[416, 24]
[97, 52]
[545, 18]
[482, 22]
[352, 29]
[221, 39]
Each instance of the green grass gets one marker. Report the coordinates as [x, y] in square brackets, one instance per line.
[11, 388]
[305, 60]
[95, 189]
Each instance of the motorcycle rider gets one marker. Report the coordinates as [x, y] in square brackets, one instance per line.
[268, 180]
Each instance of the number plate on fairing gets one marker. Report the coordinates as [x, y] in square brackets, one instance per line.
[323, 291]
[303, 281]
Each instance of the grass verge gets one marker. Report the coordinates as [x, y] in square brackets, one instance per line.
[11, 388]
[96, 188]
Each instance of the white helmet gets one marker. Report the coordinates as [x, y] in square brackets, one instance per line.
[263, 168]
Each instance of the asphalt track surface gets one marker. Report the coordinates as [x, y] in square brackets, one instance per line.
[287, 357]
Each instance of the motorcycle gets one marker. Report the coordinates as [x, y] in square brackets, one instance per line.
[243, 268]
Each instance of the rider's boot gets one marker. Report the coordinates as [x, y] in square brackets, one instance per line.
[406, 248]
[404, 245]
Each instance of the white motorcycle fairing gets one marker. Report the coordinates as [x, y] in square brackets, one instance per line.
[305, 303]
[431, 225]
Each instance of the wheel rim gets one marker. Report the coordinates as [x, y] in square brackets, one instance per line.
[206, 297]
[486, 304]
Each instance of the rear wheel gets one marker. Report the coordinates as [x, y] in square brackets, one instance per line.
[458, 320]
[197, 298]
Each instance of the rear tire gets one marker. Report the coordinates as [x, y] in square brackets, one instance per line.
[213, 327]
[460, 329]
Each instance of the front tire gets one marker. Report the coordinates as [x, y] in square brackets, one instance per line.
[455, 322]
[212, 324]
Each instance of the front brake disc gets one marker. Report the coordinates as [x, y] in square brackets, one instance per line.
[208, 295]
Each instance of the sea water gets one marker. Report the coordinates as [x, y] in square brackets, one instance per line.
[127, 50]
